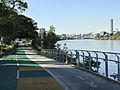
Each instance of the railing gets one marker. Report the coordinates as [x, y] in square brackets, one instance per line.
[104, 63]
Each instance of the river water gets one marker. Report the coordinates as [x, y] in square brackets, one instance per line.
[89, 44]
[96, 45]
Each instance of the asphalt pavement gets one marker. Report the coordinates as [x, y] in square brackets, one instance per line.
[18, 72]
[72, 78]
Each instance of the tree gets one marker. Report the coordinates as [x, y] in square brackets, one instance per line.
[18, 5]
[52, 28]
[25, 27]
[8, 14]
[50, 39]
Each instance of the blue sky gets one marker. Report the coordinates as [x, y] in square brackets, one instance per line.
[75, 16]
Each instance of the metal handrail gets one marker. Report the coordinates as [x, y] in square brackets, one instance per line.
[76, 56]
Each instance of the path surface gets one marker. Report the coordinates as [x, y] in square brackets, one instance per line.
[72, 78]
[18, 72]
[25, 70]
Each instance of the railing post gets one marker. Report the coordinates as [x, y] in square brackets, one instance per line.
[57, 55]
[89, 55]
[106, 64]
[118, 60]
[83, 59]
[66, 58]
[77, 57]
[52, 54]
[71, 57]
[62, 56]
[49, 53]
[119, 69]
[97, 60]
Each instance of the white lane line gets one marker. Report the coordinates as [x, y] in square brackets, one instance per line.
[17, 60]
[92, 84]
[18, 72]
[81, 78]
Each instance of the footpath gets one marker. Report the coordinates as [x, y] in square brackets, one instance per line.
[18, 72]
[72, 78]
[25, 70]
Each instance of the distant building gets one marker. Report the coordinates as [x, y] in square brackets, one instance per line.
[111, 26]
[70, 36]
[104, 33]
[88, 36]
[42, 30]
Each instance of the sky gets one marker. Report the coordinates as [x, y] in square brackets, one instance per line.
[75, 16]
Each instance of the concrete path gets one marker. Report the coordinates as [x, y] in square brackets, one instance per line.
[72, 78]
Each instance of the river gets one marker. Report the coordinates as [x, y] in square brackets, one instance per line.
[90, 44]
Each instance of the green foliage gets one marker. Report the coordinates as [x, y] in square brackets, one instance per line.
[115, 36]
[25, 27]
[49, 39]
[92, 63]
[7, 47]
[14, 25]
[18, 5]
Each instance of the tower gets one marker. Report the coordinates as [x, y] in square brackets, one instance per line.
[111, 26]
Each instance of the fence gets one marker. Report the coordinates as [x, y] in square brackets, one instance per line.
[104, 63]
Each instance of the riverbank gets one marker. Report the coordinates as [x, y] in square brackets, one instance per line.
[115, 36]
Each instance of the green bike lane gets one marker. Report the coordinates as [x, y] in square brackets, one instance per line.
[17, 72]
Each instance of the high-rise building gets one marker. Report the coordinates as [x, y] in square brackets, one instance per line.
[42, 31]
[111, 25]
